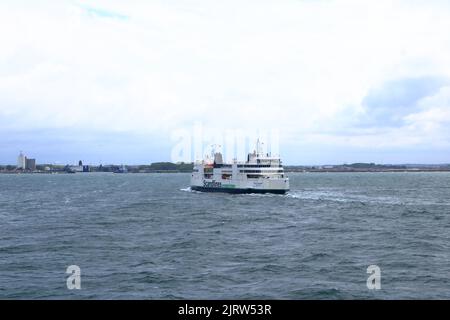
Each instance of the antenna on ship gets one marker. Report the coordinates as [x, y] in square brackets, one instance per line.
[258, 147]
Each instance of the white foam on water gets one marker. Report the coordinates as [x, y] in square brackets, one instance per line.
[188, 189]
[332, 195]
[261, 194]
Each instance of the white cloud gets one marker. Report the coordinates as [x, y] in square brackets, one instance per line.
[303, 67]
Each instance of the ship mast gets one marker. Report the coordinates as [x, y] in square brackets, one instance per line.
[259, 151]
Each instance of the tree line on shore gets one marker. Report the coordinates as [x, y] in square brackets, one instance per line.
[154, 167]
[188, 167]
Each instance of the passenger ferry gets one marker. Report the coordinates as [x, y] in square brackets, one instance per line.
[261, 173]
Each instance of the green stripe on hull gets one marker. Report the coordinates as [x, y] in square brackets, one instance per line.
[228, 186]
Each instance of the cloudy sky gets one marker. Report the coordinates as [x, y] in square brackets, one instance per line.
[110, 81]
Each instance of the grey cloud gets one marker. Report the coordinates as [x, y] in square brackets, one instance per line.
[388, 104]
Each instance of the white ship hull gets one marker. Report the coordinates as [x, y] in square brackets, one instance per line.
[229, 186]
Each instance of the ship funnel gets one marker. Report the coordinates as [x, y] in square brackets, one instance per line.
[218, 158]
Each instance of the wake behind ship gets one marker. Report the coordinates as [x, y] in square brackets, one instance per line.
[261, 173]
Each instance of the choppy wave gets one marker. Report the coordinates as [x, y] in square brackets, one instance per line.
[152, 238]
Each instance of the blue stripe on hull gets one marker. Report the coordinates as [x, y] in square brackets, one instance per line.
[237, 190]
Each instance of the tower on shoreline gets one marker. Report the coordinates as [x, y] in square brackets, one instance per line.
[21, 161]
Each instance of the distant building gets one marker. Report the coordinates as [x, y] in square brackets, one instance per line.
[76, 168]
[80, 167]
[21, 161]
[30, 164]
[121, 169]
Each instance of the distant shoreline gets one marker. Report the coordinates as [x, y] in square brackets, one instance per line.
[287, 171]
[168, 167]
[369, 171]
